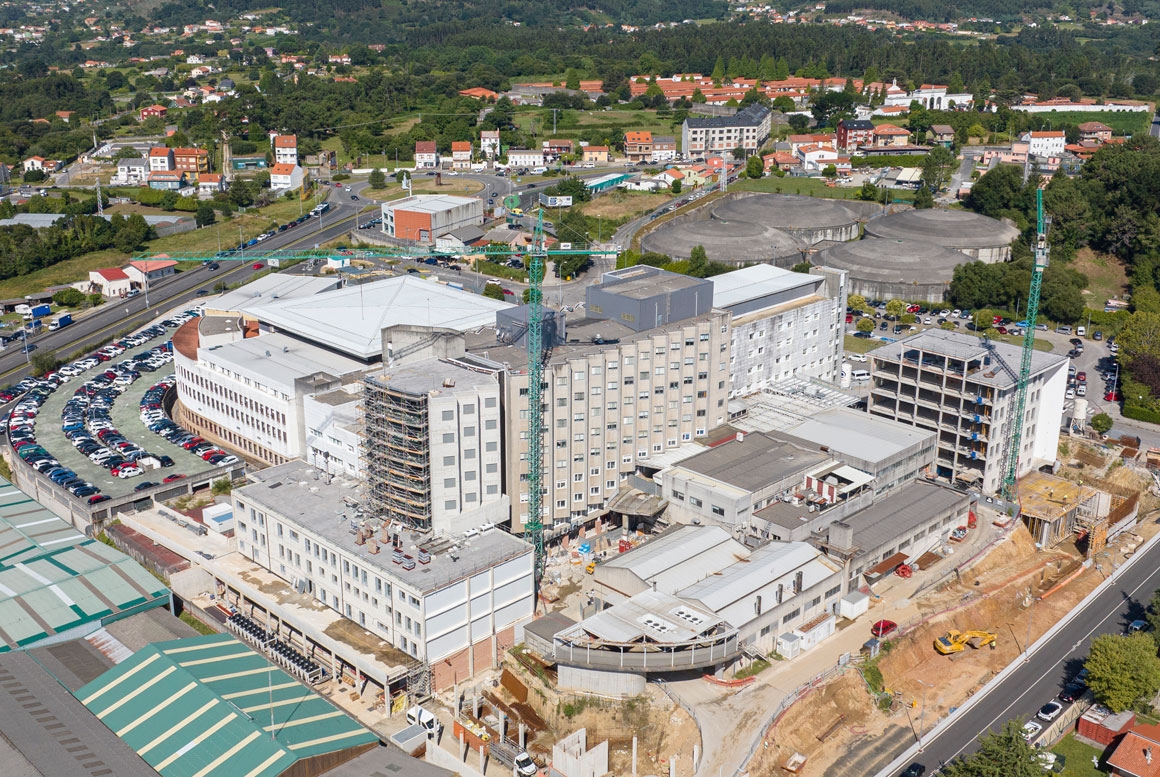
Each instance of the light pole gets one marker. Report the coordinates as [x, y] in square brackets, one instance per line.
[24, 334]
[922, 715]
[1030, 613]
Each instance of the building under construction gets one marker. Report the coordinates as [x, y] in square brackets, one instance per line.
[1054, 508]
[431, 443]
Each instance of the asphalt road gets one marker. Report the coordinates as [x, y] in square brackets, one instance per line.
[1037, 681]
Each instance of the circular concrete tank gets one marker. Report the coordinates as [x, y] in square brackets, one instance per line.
[729, 242]
[895, 269]
[979, 237]
[809, 219]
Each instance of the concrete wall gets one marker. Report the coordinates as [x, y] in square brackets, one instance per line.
[580, 680]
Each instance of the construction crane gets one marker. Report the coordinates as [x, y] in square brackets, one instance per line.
[534, 528]
[1015, 441]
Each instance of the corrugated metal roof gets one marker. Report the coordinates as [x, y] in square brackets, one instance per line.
[680, 556]
[765, 565]
[52, 578]
[651, 615]
[212, 707]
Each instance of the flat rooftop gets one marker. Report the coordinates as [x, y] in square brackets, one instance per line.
[433, 375]
[1048, 497]
[902, 509]
[269, 288]
[54, 579]
[858, 434]
[754, 463]
[217, 325]
[636, 283]
[296, 492]
[1001, 371]
[759, 280]
[651, 615]
[785, 404]
[430, 203]
[277, 359]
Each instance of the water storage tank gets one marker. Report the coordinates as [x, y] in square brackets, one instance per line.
[1079, 413]
[844, 379]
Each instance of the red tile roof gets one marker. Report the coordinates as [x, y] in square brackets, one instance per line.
[425, 147]
[285, 141]
[282, 169]
[112, 274]
[1138, 752]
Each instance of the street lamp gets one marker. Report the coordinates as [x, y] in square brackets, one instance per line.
[1030, 613]
[922, 715]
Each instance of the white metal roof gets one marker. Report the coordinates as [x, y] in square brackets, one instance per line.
[271, 288]
[658, 616]
[859, 434]
[351, 319]
[757, 280]
[681, 556]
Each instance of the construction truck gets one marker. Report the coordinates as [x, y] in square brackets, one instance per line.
[954, 641]
[510, 754]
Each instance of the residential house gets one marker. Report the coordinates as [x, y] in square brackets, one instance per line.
[1095, 131]
[1045, 143]
[169, 180]
[489, 143]
[1138, 753]
[142, 271]
[479, 93]
[781, 160]
[664, 148]
[284, 177]
[853, 133]
[65, 116]
[747, 129]
[670, 176]
[131, 172]
[193, 161]
[41, 164]
[886, 135]
[160, 159]
[814, 139]
[285, 149]
[154, 111]
[426, 154]
[815, 158]
[595, 155]
[554, 149]
[525, 157]
[461, 154]
[110, 281]
[638, 146]
[209, 184]
[339, 59]
[942, 135]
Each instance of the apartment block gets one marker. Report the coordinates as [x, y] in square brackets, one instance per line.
[747, 129]
[964, 388]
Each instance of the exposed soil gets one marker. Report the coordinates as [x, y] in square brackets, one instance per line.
[620, 205]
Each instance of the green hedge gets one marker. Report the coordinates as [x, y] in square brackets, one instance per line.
[501, 271]
[1111, 324]
[1146, 409]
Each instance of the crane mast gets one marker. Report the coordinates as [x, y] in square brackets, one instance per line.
[534, 528]
[1015, 441]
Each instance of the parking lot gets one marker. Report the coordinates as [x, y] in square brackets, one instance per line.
[125, 415]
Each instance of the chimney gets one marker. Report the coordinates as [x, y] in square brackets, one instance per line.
[1148, 754]
[841, 535]
[741, 437]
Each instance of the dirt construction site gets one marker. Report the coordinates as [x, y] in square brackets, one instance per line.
[1016, 591]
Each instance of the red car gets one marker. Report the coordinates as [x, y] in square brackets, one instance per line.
[1081, 377]
[172, 478]
[882, 628]
[258, 265]
[1113, 396]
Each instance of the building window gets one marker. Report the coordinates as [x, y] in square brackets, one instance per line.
[695, 502]
[718, 510]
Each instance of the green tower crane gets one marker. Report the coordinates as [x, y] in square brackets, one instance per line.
[534, 528]
[1015, 441]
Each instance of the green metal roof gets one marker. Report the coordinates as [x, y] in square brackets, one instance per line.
[212, 707]
[53, 579]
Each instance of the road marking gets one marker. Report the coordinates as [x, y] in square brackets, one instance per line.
[1027, 690]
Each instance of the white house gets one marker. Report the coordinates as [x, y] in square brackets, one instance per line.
[131, 172]
[210, 183]
[285, 149]
[489, 143]
[285, 177]
[42, 164]
[461, 155]
[110, 281]
[160, 159]
[815, 158]
[1046, 143]
[526, 157]
[151, 270]
[426, 154]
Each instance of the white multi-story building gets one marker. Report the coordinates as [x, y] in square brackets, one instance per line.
[489, 143]
[131, 172]
[525, 157]
[747, 129]
[285, 149]
[452, 603]
[160, 159]
[1045, 143]
[964, 389]
[784, 324]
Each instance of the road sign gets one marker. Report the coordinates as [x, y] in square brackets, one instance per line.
[556, 200]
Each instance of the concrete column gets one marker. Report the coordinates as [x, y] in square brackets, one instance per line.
[633, 755]
[462, 748]
[523, 736]
[475, 705]
[672, 766]
[481, 759]
[502, 724]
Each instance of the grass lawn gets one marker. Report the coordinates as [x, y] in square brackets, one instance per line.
[252, 224]
[1106, 277]
[620, 204]
[860, 344]
[810, 187]
[1077, 758]
[464, 187]
[575, 120]
[1130, 123]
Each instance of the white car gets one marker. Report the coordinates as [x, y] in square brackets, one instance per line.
[1030, 730]
[1049, 712]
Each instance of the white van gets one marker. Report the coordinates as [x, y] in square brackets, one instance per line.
[860, 375]
[418, 716]
[1080, 331]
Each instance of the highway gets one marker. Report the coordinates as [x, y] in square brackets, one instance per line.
[1037, 681]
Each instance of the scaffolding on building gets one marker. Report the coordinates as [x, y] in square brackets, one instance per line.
[396, 455]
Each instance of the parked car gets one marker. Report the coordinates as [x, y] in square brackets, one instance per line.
[1050, 711]
[883, 628]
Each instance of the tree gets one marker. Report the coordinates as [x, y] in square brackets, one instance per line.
[754, 167]
[1101, 423]
[169, 201]
[675, 186]
[1140, 338]
[1122, 669]
[96, 298]
[996, 191]
[738, 153]
[1004, 752]
[936, 168]
[868, 192]
[895, 308]
[68, 298]
[923, 199]
[377, 180]
[830, 171]
[43, 362]
[857, 302]
[1153, 613]
[241, 195]
[865, 325]
[221, 487]
[698, 262]
[493, 290]
[205, 214]
[799, 121]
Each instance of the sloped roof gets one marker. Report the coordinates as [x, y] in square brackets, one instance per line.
[282, 168]
[285, 141]
[425, 147]
[112, 274]
[212, 707]
[53, 579]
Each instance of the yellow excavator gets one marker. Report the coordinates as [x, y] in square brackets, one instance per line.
[954, 641]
